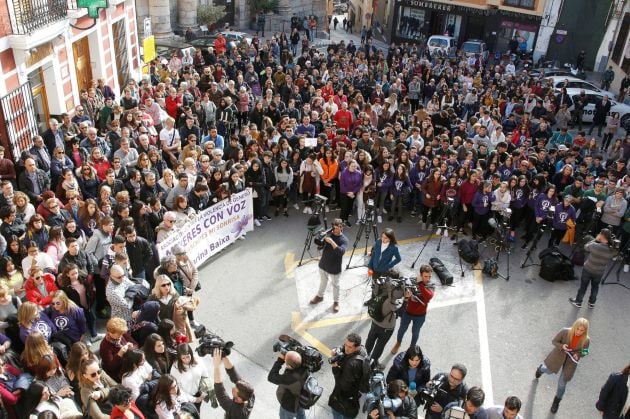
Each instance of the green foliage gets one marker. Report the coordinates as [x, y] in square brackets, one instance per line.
[209, 14]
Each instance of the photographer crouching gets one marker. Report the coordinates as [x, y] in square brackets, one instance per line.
[600, 253]
[335, 245]
[289, 384]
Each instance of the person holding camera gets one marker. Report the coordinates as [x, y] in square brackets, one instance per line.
[242, 401]
[509, 410]
[289, 384]
[335, 245]
[348, 373]
[416, 306]
[600, 253]
[450, 388]
[404, 405]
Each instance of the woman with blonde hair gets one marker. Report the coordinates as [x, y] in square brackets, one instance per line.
[9, 305]
[68, 317]
[24, 210]
[570, 345]
[31, 319]
[11, 276]
[35, 348]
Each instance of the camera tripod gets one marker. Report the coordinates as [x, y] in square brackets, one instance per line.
[314, 222]
[528, 256]
[367, 224]
[618, 262]
[502, 245]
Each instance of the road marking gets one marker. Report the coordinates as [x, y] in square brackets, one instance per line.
[289, 265]
[484, 347]
[299, 327]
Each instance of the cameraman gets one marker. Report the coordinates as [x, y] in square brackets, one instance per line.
[416, 308]
[348, 373]
[600, 252]
[451, 388]
[242, 401]
[335, 245]
[289, 384]
[397, 391]
[472, 406]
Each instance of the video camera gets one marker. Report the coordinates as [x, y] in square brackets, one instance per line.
[319, 202]
[406, 283]
[312, 359]
[209, 342]
[319, 237]
[377, 397]
[428, 394]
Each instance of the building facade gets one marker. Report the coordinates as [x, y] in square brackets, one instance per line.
[495, 21]
[49, 51]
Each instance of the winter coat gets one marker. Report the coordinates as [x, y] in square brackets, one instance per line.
[613, 396]
[557, 358]
[34, 295]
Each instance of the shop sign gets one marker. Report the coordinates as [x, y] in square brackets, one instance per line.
[560, 35]
[440, 7]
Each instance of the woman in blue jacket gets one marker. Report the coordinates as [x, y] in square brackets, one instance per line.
[385, 254]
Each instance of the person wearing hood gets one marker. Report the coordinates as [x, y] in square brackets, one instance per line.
[146, 322]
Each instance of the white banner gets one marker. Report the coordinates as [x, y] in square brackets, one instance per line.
[213, 229]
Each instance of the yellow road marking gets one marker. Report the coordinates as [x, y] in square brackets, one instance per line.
[299, 327]
[289, 264]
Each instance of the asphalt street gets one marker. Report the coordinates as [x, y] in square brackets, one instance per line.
[501, 330]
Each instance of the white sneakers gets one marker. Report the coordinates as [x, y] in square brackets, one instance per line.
[256, 222]
[379, 219]
[296, 206]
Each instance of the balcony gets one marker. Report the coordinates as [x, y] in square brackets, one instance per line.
[28, 16]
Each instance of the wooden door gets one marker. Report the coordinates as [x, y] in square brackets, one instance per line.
[40, 101]
[82, 63]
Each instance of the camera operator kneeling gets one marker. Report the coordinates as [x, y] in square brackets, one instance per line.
[450, 388]
[289, 384]
[404, 405]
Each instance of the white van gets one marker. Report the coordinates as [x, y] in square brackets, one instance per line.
[443, 45]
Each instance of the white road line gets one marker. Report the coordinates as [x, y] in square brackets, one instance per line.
[484, 349]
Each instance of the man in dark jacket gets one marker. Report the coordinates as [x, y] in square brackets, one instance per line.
[139, 253]
[76, 256]
[613, 397]
[289, 383]
[33, 181]
[242, 401]
[602, 108]
[454, 390]
[335, 245]
[348, 373]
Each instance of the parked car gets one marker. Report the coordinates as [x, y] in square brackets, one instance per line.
[592, 97]
[475, 47]
[442, 45]
[543, 72]
[574, 83]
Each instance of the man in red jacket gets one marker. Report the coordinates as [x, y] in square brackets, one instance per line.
[416, 306]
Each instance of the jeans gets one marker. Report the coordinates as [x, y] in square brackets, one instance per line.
[323, 283]
[587, 278]
[416, 324]
[337, 415]
[562, 384]
[376, 340]
[285, 414]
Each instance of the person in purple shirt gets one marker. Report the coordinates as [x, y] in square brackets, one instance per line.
[32, 320]
[519, 190]
[68, 318]
[564, 212]
[400, 187]
[384, 177]
[417, 174]
[350, 183]
[306, 128]
[481, 206]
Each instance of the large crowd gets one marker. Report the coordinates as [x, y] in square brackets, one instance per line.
[83, 209]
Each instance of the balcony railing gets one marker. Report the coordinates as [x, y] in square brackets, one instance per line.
[29, 15]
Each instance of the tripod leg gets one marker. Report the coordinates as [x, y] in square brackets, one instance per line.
[307, 246]
[356, 242]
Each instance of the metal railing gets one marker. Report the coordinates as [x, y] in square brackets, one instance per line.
[30, 15]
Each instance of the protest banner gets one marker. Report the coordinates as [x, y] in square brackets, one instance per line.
[213, 229]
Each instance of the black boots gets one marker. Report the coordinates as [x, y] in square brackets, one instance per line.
[555, 404]
[538, 371]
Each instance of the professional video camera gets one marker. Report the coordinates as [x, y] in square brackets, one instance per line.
[319, 237]
[338, 355]
[428, 394]
[319, 202]
[209, 342]
[377, 397]
[407, 283]
[312, 359]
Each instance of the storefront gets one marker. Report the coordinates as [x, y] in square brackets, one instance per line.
[416, 20]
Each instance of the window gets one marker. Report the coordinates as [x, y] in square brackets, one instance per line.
[618, 53]
[525, 4]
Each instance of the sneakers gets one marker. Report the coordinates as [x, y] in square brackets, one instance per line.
[384, 211]
[576, 303]
[335, 307]
[538, 371]
[413, 214]
[257, 222]
[99, 336]
[591, 305]
[309, 210]
[347, 223]
[395, 348]
[266, 217]
[327, 208]
[316, 300]
[379, 219]
[305, 210]
[296, 206]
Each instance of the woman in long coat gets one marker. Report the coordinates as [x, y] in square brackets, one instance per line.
[570, 344]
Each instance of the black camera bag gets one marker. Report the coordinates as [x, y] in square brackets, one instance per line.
[446, 278]
[555, 265]
[469, 251]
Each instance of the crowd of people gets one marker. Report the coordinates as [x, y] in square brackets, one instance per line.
[83, 209]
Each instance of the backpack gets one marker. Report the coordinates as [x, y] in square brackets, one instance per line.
[310, 393]
[366, 363]
[446, 278]
[375, 306]
[468, 250]
[490, 267]
[555, 265]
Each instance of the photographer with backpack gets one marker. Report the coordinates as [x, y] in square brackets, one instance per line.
[289, 383]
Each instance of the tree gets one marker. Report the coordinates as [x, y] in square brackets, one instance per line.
[209, 15]
[265, 5]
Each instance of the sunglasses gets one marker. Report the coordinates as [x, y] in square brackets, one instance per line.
[94, 374]
[38, 277]
[165, 285]
[56, 303]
